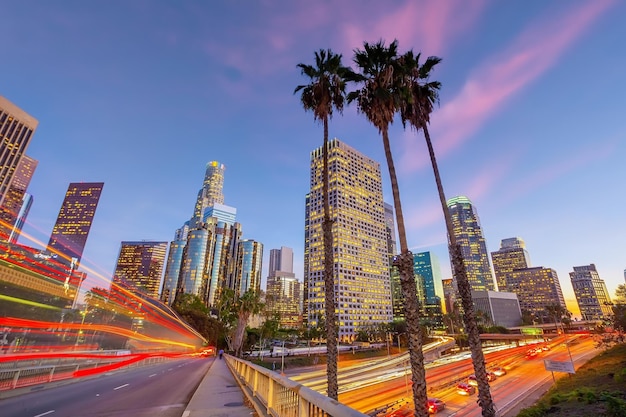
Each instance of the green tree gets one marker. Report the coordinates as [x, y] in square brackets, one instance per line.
[418, 103]
[194, 312]
[325, 92]
[379, 99]
[245, 306]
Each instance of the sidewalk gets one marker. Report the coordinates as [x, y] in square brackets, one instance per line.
[218, 395]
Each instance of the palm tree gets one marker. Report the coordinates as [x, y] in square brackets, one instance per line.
[248, 304]
[379, 99]
[416, 108]
[326, 92]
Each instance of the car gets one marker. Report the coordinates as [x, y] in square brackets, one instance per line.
[499, 371]
[465, 389]
[435, 405]
[471, 380]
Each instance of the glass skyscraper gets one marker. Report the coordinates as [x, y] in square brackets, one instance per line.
[361, 259]
[469, 235]
[211, 191]
[141, 264]
[249, 264]
[16, 130]
[71, 229]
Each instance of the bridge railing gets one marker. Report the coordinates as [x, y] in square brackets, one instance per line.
[275, 395]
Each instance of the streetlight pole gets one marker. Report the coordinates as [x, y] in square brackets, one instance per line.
[282, 360]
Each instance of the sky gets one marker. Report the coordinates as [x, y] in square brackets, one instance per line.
[141, 94]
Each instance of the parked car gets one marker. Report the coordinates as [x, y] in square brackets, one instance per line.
[498, 371]
[435, 405]
[465, 389]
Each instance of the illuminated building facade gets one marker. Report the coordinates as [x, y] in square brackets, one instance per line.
[469, 235]
[172, 270]
[427, 272]
[15, 206]
[249, 264]
[212, 188]
[16, 130]
[283, 296]
[591, 293]
[71, 229]
[512, 255]
[141, 264]
[450, 292]
[536, 287]
[361, 260]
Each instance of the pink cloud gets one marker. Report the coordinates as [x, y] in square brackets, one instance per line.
[498, 80]
[428, 25]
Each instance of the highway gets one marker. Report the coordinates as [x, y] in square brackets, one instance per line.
[160, 390]
[384, 385]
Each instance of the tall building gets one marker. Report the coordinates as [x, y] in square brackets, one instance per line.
[283, 291]
[14, 200]
[591, 293]
[361, 264]
[27, 202]
[390, 230]
[141, 264]
[281, 260]
[71, 229]
[450, 291]
[497, 308]
[16, 130]
[469, 236]
[249, 265]
[536, 287]
[512, 255]
[172, 270]
[211, 191]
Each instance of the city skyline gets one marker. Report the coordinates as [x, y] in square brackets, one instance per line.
[145, 107]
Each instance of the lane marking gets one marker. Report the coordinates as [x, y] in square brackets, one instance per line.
[152, 375]
[121, 386]
[186, 413]
[44, 414]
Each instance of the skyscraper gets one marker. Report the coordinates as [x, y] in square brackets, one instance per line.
[536, 287]
[591, 293]
[16, 130]
[141, 264]
[362, 284]
[469, 236]
[14, 200]
[249, 265]
[71, 229]
[211, 191]
[284, 292]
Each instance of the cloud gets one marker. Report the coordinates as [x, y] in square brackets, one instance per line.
[498, 80]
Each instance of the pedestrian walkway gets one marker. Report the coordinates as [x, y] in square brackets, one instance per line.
[218, 395]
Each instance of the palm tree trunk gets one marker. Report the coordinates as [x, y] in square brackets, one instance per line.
[329, 279]
[404, 263]
[473, 336]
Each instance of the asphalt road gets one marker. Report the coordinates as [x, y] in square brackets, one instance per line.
[159, 390]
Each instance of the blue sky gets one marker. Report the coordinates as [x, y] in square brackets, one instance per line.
[142, 94]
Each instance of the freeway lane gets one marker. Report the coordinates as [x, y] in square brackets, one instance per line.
[159, 390]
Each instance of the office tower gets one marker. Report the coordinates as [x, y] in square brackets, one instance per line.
[361, 275]
[221, 212]
[283, 291]
[71, 229]
[27, 202]
[281, 260]
[14, 199]
[469, 236]
[283, 299]
[536, 287]
[427, 273]
[494, 308]
[249, 265]
[512, 255]
[16, 130]
[591, 293]
[172, 270]
[211, 191]
[141, 265]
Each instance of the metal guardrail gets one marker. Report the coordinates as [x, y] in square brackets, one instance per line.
[281, 397]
